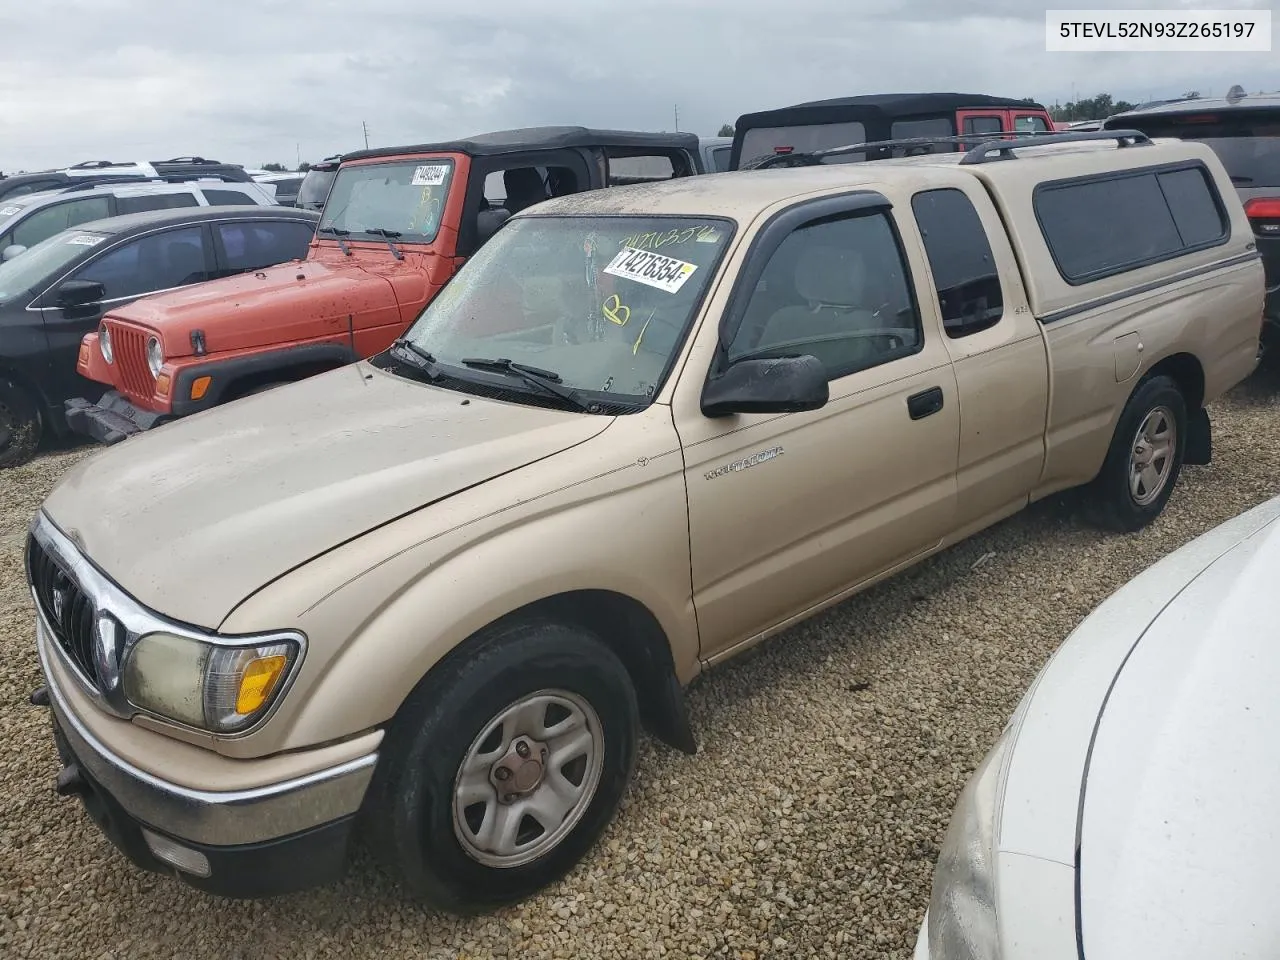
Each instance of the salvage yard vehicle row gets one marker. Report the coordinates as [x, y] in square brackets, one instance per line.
[372, 621]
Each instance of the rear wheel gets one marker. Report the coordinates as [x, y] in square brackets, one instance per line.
[20, 425]
[1145, 457]
[503, 767]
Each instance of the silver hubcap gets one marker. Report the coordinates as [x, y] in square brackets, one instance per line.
[1151, 459]
[528, 778]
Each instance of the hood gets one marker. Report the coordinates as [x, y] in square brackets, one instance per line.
[294, 301]
[1179, 838]
[192, 517]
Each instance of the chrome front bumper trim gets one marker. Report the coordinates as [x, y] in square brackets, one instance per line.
[219, 818]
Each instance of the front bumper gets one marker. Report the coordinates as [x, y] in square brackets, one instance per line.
[112, 419]
[250, 843]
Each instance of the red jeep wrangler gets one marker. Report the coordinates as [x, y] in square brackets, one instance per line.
[397, 224]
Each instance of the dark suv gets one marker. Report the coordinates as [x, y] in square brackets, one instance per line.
[174, 170]
[1244, 131]
[57, 291]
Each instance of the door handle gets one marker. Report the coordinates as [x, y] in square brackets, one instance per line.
[921, 405]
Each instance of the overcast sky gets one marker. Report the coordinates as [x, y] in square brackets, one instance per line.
[256, 81]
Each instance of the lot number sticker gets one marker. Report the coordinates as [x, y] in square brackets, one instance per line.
[652, 269]
[430, 175]
[9, 211]
[84, 240]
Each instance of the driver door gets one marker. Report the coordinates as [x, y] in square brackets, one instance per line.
[787, 511]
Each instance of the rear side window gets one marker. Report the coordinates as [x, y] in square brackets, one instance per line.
[912, 129]
[227, 198]
[155, 201]
[960, 259]
[252, 244]
[160, 261]
[44, 223]
[1099, 226]
[720, 159]
[640, 169]
[765, 141]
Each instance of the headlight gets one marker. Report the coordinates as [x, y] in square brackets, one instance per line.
[155, 356]
[104, 343]
[210, 686]
[962, 908]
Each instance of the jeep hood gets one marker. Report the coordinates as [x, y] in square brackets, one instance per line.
[192, 517]
[287, 303]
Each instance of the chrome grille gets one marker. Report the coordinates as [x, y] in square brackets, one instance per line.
[67, 610]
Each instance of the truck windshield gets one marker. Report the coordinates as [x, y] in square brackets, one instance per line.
[601, 303]
[405, 197]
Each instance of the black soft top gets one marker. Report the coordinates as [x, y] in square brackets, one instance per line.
[539, 138]
[879, 105]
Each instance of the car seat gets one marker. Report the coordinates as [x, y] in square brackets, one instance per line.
[524, 188]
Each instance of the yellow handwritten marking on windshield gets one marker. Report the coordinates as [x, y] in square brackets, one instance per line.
[615, 311]
[655, 239]
[635, 348]
[426, 211]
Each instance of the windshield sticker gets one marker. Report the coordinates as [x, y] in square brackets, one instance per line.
[651, 269]
[615, 311]
[84, 240]
[9, 211]
[658, 238]
[430, 175]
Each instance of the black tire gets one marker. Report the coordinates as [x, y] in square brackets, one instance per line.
[1116, 506]
[20, 425]
[409, 815]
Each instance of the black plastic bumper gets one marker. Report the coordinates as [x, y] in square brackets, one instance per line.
[112, 419]
[286, 865]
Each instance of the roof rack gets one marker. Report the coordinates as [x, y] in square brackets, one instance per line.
[103, 164]
[813, 157]
[1003, 150]
[88, 183]
[188, 160]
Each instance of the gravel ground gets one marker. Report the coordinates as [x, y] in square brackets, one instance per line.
[806, 827]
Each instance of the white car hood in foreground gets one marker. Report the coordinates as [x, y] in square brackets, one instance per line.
[1180, 827]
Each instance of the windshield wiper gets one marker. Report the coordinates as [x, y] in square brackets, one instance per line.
[422, 359]
[338, 234]
[388, 235]
[548, 380]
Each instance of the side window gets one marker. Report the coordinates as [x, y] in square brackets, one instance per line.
[720, 159]
[160, 261]
[933, 127]
[155, 201]
[983, 124]
[227, 198]
[836, 289]
[44, 223]
[624, 170]
[1030, 123]
[507, 192]
[960, 259]
[1101, 226]
[252, 245]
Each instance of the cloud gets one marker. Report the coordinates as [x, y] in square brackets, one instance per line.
[275, 80]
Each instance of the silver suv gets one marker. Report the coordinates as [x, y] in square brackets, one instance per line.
[27, 220]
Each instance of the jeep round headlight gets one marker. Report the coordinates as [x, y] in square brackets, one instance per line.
[155, 356]
[104, 343]
[212, 686]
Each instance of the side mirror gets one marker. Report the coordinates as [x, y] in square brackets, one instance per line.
[11, 251]
[80, 293]
[777, 385]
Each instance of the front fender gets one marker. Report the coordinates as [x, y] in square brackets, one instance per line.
[382, 610]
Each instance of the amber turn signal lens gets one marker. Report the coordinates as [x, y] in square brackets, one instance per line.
[260, 678]
[84, 354]
[162, 384]
[199, 387]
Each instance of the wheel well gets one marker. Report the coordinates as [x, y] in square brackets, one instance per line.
[1187, 373]
[242, 385]
[632, 632]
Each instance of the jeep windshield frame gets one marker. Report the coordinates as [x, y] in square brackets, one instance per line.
[406, 196]
[601, 303]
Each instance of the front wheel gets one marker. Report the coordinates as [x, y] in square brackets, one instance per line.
[20, 426]
[1145, 457]
[503, 767]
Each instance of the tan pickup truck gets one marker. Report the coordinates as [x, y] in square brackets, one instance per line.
[435, 596]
